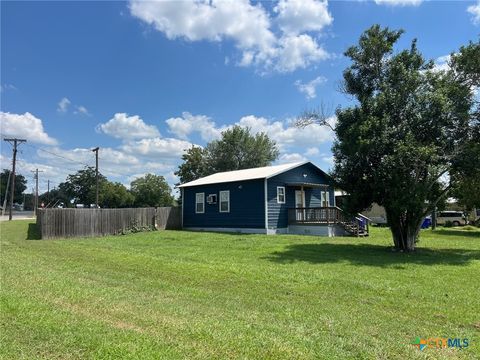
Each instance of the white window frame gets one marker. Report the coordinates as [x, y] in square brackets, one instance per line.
[220, 201]
[325, 199]
[198, 202]
[284, 195]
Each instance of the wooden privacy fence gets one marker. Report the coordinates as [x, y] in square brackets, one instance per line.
[169, 218]
[65, 223]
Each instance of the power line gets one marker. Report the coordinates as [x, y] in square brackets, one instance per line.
[58, 155]
[72, 160]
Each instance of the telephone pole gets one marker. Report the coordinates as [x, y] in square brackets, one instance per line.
[14, 142]
[6, 193]
[96, 175]
[36, 190]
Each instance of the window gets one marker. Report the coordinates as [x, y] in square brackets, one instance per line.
[280, 195]
[225, 201]
[325, 199]
[199, 203]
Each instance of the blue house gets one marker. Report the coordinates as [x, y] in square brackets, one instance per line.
[293, 198]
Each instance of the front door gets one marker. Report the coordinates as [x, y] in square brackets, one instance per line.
[300, 203]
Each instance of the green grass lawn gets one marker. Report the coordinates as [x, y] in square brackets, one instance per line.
[176, 294]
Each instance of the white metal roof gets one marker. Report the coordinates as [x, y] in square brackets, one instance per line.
[245, 174]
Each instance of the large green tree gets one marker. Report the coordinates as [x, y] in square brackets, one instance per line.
[115, 195]
[55, 197]
[405, 132]
[151, 190]
[237, 149]
[81, 186]
[20, 186]
[194, 165]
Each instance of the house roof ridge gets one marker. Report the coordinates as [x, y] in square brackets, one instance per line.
[263, 172]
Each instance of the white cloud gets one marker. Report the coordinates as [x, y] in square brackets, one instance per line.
[312, 151]
[298, 51]
[81, 110]
[122, 126]
[291, 158]
[282, 132]
[287, 136]
[188, 123]
[249, 26]
[114, 163]
[441, 63]
[475, 11]
[399, 2]
[328, 159]
[296, 16]
[63, 105]
[25, 126]
[309, 88]
[159, 148]
[7, 87]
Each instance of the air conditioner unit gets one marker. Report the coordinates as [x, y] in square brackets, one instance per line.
[212, 199]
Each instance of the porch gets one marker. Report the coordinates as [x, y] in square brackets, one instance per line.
[357, 225]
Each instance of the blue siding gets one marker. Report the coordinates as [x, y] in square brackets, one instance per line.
[278, 213]
[247, 206]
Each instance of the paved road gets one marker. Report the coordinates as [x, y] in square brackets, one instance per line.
[17, 215]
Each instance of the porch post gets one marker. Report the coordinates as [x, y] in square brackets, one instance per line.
[303, 203]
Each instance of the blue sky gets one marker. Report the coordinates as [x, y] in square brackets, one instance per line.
[146, 80]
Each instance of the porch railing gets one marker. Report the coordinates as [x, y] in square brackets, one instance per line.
[357, 225]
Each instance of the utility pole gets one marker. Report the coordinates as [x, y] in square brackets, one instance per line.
[36, 191]
[6, 193]
[14, 142]
[48, 191]
[96, 174]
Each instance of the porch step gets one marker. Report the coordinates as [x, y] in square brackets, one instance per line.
[351, 228]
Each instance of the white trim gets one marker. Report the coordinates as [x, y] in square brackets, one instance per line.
[325, 198]
[266, 203]
[203, 202]
[182, 193]
[284, 195]
[334, 200]
[220, 201]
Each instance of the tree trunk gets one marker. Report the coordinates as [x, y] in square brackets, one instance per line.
[405, 229]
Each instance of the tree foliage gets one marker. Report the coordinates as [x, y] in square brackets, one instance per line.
[194, 164]
[151, 190]
[115, 195]
[237, 149]
[20, 187]
[407, 130]
[81, 186]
